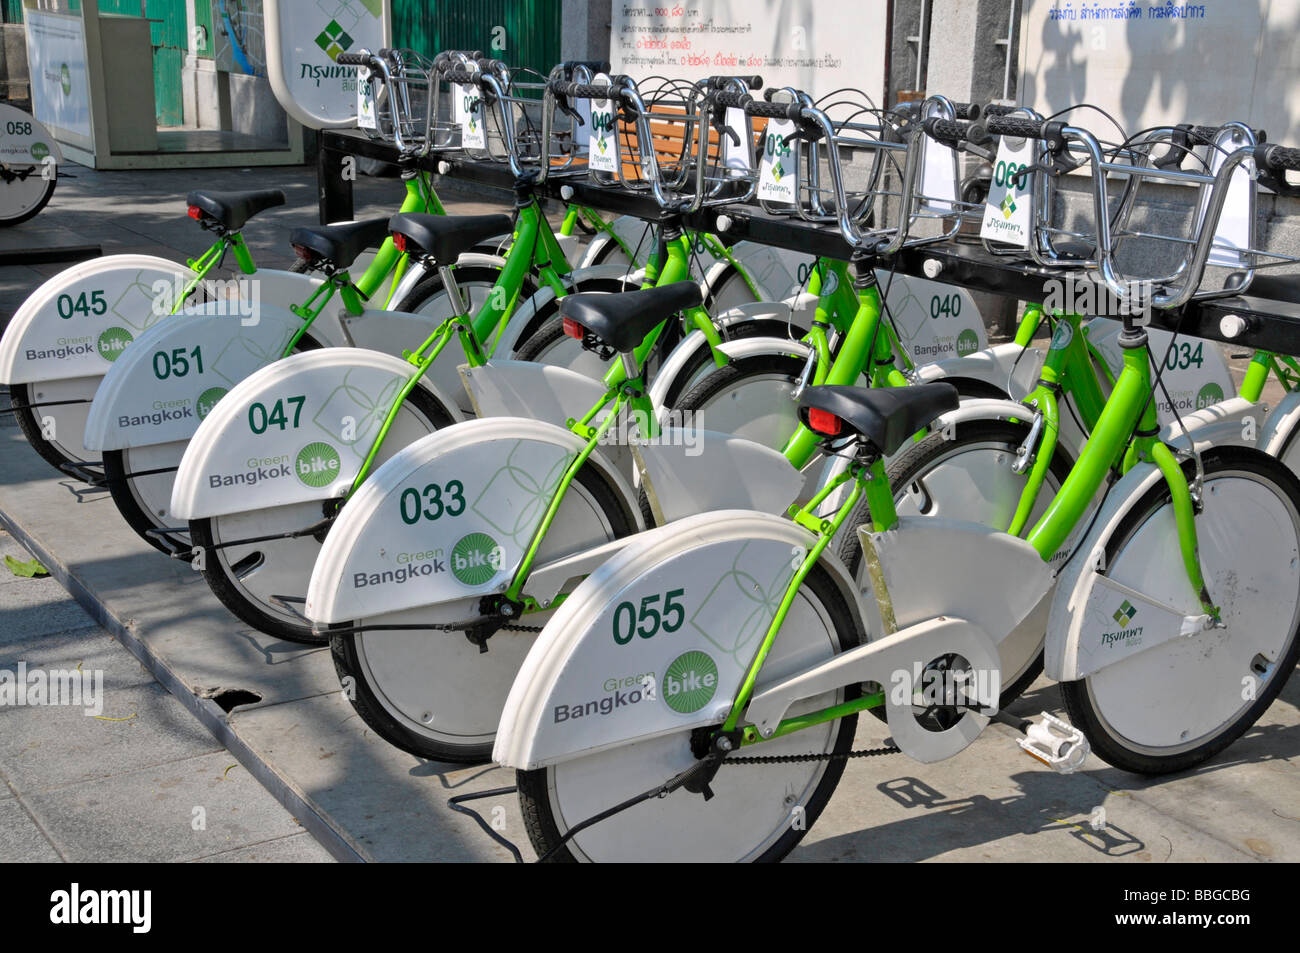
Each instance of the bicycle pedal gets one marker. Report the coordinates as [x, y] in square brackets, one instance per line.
[1056, 743]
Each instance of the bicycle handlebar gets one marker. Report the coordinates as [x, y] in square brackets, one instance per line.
[753, 82]
[1278, 158]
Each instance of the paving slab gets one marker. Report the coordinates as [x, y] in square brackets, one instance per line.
[179, 810]
[294, 849]
[21, 840]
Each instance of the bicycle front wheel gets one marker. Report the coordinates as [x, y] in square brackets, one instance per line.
[1181, 702]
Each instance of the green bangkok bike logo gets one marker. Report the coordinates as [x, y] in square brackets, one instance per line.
[689, 682]
[317, 464]
[968, 342]
[113, 342]
[1209, 394]
[65, 79]
[334, 40]
[476, 558]
[39, 151]
[207, 400]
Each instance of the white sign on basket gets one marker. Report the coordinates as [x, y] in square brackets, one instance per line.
[472, 133]
[365, 100]
[778, 175]
[1006, 215]
[603, 154]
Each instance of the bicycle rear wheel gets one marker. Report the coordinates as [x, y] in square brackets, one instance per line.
[1183, 701]
[758, 813]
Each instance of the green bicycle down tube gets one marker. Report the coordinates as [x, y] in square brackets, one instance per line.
[855, 355]
[385, 261]
[1043, 400]
[1067, 370]
[1105, 444]
[823, 538]
[515, 589]
[1080, 375]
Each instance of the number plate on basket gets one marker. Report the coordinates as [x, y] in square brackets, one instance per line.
[1006, 216]
[472, 133]
[603, 153]
[365, 100]
[778, 176]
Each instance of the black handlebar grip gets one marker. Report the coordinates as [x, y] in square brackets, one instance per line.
[993, 109]
[592, 91]
[1278, 158]
[596, 66]
[946, 131]
[1206, 134]
[966, 111]
[753, 82]
[730, 99]
[461, 77]
[353, 59]
[766, 110]
[1016, 127]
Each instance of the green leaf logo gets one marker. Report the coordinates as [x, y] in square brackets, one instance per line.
[1008, 206]
[1125, 613]
[334, 40]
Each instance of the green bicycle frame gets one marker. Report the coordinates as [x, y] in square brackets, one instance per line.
[1125, 434]
[533, 248]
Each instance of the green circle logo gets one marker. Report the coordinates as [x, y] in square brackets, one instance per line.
[208, 399]
[476, 558]
[689, 682]
[65, 79]
[39, 151]
[113, 342]
[317, 464]
[968, 342]
[1209, 394]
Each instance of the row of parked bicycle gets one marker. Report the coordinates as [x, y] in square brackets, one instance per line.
[657, 548]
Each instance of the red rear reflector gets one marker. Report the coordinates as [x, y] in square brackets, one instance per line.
[306, 254]
[824, 422]
[195, 212]
[399, 241]
[573, 329]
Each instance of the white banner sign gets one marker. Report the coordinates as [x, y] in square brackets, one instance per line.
[815, 45]
[303, 42]
[56, 60]
[1149, 63]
